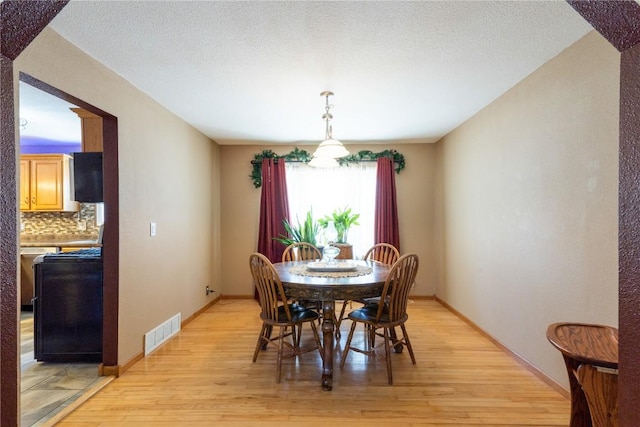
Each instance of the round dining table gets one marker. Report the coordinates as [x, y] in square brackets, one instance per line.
[303, 282]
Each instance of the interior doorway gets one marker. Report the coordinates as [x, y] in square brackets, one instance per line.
[52, 128]
[110, 240]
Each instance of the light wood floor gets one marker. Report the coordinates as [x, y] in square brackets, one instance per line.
[204, 376]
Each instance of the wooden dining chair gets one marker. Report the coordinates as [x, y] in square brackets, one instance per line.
[278, 312]
[388, 315]
[385, 253]
[301, 251]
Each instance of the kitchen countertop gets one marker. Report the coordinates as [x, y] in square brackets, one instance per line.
[41, 241]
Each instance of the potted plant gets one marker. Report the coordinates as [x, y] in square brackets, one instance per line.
[305, 232]
[342, 220]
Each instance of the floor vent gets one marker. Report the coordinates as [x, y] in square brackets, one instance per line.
[161, 333]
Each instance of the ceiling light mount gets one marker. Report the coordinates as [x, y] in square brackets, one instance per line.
[329, 148]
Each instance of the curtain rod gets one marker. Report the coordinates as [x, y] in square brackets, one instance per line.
[302, 156]
[259, 162]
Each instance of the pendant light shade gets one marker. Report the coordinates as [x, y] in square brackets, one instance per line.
[323, 162]
[329, 148]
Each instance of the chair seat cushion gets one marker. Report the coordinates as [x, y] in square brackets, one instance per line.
[368, 313]
[372, 300]
[298, 314]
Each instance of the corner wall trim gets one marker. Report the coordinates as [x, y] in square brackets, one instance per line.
[531, 368]
[107, 371]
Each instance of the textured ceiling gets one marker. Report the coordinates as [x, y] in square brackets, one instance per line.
[252, 72]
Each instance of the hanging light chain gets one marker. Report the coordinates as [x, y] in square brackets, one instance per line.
[329, 148]
[327, 116]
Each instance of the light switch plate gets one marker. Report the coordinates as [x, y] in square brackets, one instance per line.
[152, 229]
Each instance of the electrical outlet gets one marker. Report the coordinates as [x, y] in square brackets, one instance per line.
[208, 291]
[82, 225]
[22, 226]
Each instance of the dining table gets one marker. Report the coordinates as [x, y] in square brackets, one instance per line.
[327, 283]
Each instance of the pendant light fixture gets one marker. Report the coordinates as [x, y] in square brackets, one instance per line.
[329, 148]
[323, 162]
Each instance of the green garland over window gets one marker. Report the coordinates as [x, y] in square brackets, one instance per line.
[298, 155]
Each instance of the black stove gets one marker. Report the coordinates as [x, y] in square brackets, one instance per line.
[68, 306]
[89, 254]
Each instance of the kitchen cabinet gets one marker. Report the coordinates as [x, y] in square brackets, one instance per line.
[45, 183]
[91, 129]
[26, 281]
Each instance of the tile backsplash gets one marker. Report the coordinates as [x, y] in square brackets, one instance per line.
[60, 223]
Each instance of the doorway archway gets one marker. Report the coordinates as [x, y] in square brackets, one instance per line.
[110, 251]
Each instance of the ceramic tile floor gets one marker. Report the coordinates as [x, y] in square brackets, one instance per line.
[46, 389]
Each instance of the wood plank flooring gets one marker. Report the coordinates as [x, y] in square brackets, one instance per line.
[204, 376]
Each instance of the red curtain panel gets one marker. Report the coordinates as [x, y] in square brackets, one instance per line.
[386, 214]
[274, 207]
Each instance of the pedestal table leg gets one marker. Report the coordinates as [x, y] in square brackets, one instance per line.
[327, 336]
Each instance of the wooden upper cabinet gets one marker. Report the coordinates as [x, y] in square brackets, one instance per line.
[25, 185]
[91, 129]
[45, 183]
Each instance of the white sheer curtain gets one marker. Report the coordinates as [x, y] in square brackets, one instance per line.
[325, 190]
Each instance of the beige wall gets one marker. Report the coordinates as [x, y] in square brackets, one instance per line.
[168, 174]
[527, 200]
[241, 208]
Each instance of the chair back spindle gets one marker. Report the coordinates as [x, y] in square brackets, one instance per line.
[270, 290]
[397, 286]
[301, 251]
[383, 252]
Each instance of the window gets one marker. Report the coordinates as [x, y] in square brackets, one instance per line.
[325, 190]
